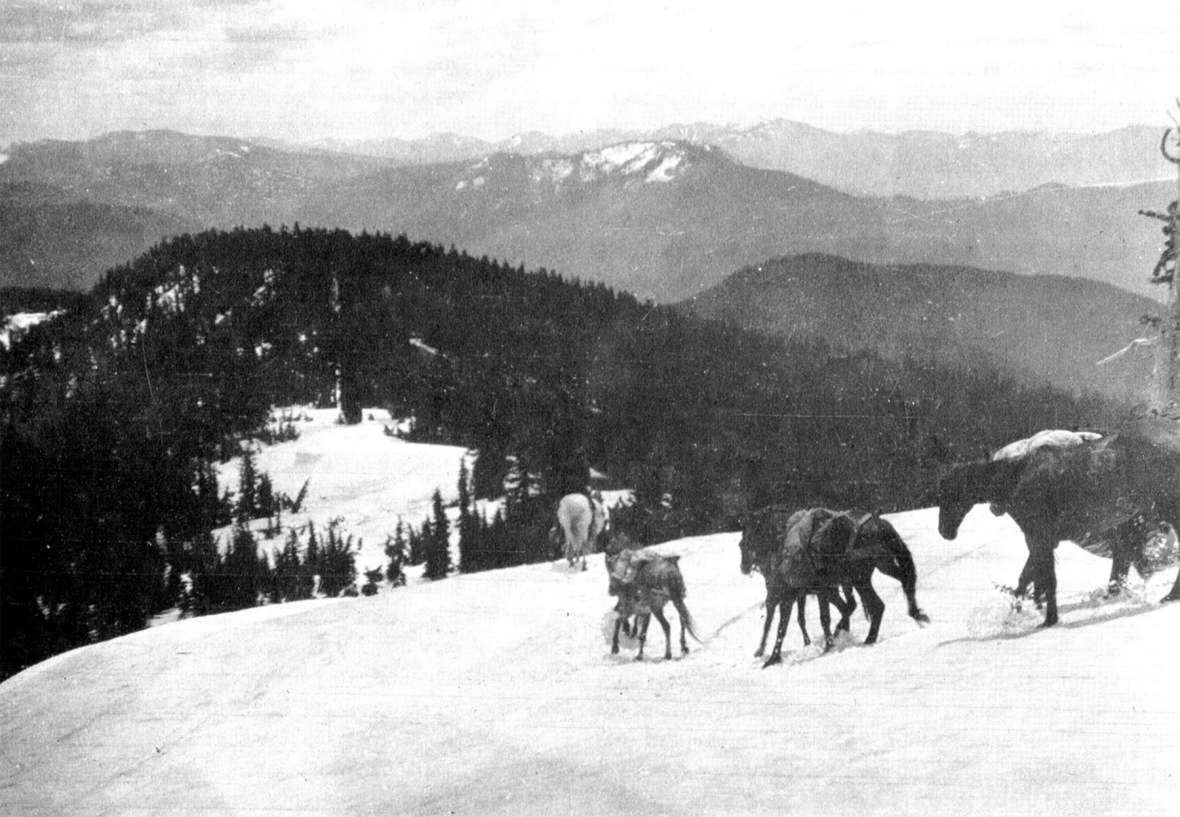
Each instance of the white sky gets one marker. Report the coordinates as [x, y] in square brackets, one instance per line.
[361, 68]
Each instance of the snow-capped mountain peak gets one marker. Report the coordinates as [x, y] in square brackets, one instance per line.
[632, 162]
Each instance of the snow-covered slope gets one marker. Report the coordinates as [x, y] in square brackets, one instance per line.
[356, 474]
[496, 693]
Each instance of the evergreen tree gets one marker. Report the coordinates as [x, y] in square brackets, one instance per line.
[438, 549]
[244, 571]
[311, 561]
[288, 584]
[337, 562]
[396, 550]
[470, 554]
[247, 487]
[265, 500]
[418, 543]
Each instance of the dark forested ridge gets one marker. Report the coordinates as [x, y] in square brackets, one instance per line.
[1043, 329]
[114, 411]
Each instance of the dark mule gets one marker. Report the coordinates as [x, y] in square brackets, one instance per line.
[758, 536]
[645, 581]
[1086, 494]
[817, 551]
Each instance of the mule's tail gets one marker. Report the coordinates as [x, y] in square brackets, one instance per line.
[686, 618]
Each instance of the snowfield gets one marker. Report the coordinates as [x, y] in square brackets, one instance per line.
[496, 694]
[357, 474]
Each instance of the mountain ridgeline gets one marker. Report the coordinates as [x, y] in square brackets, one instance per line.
[919, 164]
[662, 218]
[114, 411]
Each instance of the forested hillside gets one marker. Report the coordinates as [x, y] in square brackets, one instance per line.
[1043, 328]
[114, 412]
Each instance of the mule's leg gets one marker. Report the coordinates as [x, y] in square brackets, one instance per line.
[845, 623]
[772, 600]
[915, 612]
[784, 616]
[641, 622]
[1025, 579]
[825, 618]
[1041, 555]
[801, 617]
[828, 598]
[659, 614]
[683, 628]
[1121, 553]
[874, 609]
[1174, 593]
[614, 644]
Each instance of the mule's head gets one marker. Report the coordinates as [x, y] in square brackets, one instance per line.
[747, 563]
[955, 499]
[753, 542]
[612, 565]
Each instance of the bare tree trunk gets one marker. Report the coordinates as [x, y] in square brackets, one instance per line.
[1166, 373]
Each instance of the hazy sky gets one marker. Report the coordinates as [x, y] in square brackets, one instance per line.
[489, 68]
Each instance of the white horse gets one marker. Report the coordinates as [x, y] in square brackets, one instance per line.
[582, 520]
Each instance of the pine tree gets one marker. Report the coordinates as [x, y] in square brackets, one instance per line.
[265, 503]
[438, 549]
[337, 562]
[470, 557]
[311, 561]
[418, 541]
[247, 487]
[396, 552]
[242, 569]
[287, 583]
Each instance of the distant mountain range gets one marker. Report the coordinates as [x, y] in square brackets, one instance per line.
[919, 164]
[1040, 328]
[663, 219]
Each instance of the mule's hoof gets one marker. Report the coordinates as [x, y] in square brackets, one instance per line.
[614, 650]
[759, 653]
[774, 659]
[1048, 622]
[639, 658]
